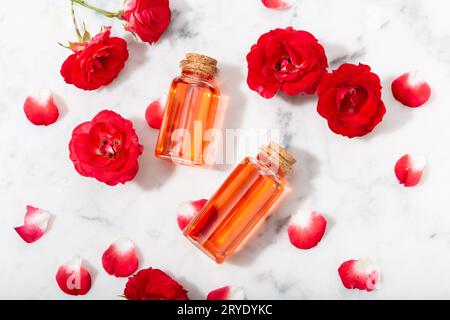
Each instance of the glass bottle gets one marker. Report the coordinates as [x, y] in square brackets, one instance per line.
[190, 112]
[240, 203]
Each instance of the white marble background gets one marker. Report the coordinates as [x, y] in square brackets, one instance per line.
[406, 232]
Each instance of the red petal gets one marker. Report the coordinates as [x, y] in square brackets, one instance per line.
[277, 4]
[40, 108]
[35, 224]
[306, 229]
[154, 114]
[409, 168]
[359, 274]
[227, 293]
[121, 259]
[187, 210]
[73, 278]
[411, 90]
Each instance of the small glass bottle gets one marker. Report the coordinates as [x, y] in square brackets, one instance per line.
[240, 203]
[190, 112]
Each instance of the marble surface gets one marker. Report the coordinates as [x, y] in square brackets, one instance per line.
[406, 232]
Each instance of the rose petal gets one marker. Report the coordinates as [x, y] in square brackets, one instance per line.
[154, 113]
[120, 259]
[227, 293]
[187, 210]
[40, 108]
[278, 4]
[35, 224]
[73, 278]
[409, 169]
[411, 90]
[306, 229]
[359, 274]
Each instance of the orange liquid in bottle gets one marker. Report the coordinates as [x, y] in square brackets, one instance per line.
[190, 111]
[234, 210]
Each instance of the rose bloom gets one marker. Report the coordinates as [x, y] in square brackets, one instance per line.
[350, 99]
[288, 60]
[95, 63]
[147, 18]
[106, 148]
[153, 284]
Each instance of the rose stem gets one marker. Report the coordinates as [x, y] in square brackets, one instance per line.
[74, 20]
[108, 14]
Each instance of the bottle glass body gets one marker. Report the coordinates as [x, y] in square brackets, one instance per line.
[190, 112]
[235, 209]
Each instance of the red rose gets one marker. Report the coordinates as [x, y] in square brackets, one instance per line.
[106, 148]
[95, 63]
[147, 18]
[153, 284]
[350, 99]
[288, 60]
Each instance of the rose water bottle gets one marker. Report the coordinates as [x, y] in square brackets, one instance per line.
[240, 203]
[190, 112]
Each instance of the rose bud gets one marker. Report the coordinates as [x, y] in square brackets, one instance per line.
[96, 62]
[106, 148]
[147, 18]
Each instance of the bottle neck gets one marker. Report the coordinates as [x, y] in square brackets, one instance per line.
[199, 66]
[197, 75]
[276, 159]
[270, 165]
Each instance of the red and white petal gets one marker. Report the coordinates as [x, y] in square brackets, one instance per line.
[409, 169]
[40, 108]
[73, 278]
[121, 259]
[306, 229]
[35, 224]
[187, 210]
[154, 113]
[278, 4]
[411, 90]
[227, 293]
[359, 274]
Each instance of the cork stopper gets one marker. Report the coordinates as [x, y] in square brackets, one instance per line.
[279, 156]
[195, 62]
